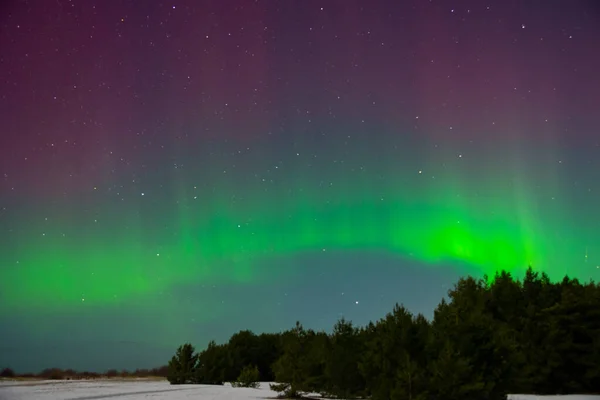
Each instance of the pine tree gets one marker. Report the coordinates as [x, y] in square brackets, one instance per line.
[410, 381]
[212, 364]
[454, 376]
[269, 350]
[243, 350]
[289, 372]
[387, 344]
[343, 375]
[316, 349]
[183, 365]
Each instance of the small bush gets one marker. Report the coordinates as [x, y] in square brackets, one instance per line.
[112, 373]
[249, 377]
[52, 374]
[56, 376]
[160, 371]
[7, 373]
[285, 391]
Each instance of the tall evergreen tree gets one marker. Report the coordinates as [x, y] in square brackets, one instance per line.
[390, 343]
[313, 364]
[289, 372]
[269, 349]
[183, 365]
[453, 376]
[243, 349]
[212, 364]
[343, 375]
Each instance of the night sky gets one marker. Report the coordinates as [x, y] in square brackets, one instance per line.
[179, 170]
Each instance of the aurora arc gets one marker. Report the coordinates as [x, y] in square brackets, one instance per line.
[488, 224]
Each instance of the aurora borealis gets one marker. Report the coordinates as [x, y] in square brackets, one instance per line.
[181, 170]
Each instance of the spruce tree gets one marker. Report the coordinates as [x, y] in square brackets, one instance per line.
[343, 375]
[290, 372]
[212, 364]
[183, 365]
[454, 376]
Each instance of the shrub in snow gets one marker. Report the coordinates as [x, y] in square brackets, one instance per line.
[248, 377]
[285, 390]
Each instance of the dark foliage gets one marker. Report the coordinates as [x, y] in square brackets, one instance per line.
[213, 364]
[160, 371]
[342, 373]
[71, 374]
[489, 338]
[52, 373]
[249, 377]
[111, 373]
[7, 373]
[183, 365]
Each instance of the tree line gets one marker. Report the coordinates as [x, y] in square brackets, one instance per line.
[71, 374]
[489, 338]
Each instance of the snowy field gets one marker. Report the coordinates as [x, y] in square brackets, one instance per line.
[124, 390]
[136, 390]
[568, 397]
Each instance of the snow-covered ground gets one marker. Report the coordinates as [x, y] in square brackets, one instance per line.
[136, 390]
[566, 397]
[125, 390]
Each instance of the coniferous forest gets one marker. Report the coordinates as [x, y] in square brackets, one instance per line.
[490, 337]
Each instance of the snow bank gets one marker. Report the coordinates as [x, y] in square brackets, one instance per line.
[137, 390]
[125, 390]
[565, 397]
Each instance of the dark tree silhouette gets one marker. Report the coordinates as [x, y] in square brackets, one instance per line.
[489, 337]
[183, 365]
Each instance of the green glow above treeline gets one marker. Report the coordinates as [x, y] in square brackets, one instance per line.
[483, 214]
[226, 246]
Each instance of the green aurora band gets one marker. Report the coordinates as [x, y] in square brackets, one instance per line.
[459, 214]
